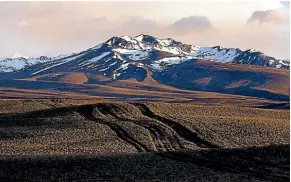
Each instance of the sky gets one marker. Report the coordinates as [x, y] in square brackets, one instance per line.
[53, 28]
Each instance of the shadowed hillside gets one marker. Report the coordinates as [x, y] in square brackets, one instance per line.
[249, 164]
[228, 78]
[188, 77]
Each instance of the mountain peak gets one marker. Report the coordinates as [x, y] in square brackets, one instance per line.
[139, 37]
[147, 39]
[252, 50]
[142, 38]
[17, 55]
[143, 35]
[118, 53]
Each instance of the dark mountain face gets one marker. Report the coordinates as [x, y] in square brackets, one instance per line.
[149, 39]
[234, 79]
[165, 60]
[259, 59]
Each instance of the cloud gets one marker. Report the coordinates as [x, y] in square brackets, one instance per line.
[73, 35]
[22, 23]
[52, 28]
[286, 4]
[136, 22]
[191, 23]
[270, 16]
[133, 25]
[87, 29]
[46, 30]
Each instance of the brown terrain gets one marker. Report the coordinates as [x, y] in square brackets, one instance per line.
[106, 140]
[208, 122]
[277, 81]
[196, 80]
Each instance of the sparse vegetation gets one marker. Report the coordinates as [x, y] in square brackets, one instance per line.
[177, 141]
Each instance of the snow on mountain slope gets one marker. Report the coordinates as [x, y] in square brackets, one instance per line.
[124, 60]
[163, 63]
[93, 60]
[135, 55]
[17, 55]
[12, 65]
[54, 65]
[214, 53]
[18, 62]
[119, 54]
[128, 45]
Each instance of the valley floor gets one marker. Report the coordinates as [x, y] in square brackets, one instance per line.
[90, 140]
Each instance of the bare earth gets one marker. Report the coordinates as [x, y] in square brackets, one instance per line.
[94, 140]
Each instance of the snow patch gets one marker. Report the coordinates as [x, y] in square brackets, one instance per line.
[17, 55]
[97, 47]
[285, 63]
[163, 63]
[173, 50]
[139, 38]
[223, 55]
[124, 66]
[13, 65]
[112, 63]
[95, 59]
[64, 61]
[165, 42]
[104, 69]
[127, 38]
[252, 50]
[116, 75]
[127, 51]
[134, 55]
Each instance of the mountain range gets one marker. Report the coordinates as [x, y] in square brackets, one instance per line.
[147, 63]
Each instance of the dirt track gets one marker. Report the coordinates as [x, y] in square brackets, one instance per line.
[165, 142]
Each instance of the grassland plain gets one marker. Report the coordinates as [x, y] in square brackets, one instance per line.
[91, 140]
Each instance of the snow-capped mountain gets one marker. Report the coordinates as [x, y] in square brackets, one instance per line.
[18, 62]
[150, 60]
[120, 53]
[17, 55]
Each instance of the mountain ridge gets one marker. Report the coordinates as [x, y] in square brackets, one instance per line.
[129, 61]
[147, 45]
